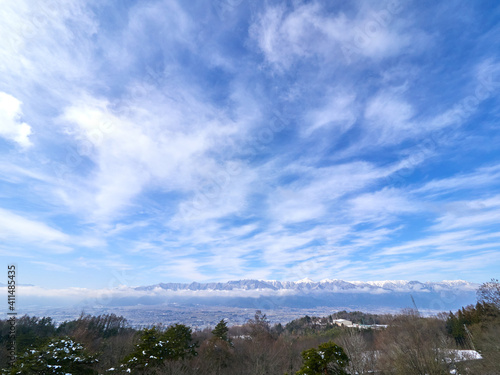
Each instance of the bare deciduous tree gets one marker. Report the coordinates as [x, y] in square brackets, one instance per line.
[489, 292]
[362, 358]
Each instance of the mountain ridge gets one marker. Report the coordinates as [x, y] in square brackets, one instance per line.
[333, 285]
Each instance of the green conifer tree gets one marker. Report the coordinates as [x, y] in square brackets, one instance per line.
[328, 359]
[156, 347]
[59, 356]
[221, 331]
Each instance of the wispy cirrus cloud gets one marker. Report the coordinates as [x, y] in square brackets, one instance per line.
[286, 35]
[15, 226]
[318, 139]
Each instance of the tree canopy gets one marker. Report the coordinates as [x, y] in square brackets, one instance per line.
[328, 359]
[59, 356]
[156, 347]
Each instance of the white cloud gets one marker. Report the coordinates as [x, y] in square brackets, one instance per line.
[316, 195]
[284, 36]
[18, 174]
[155, 105]
[469, 214]
[388, 119]
[482, 177]
[433, 268]
[457, 241]
[339, 113]
[46, 44]
[218, 195]
[382, 204]
[19, 228]
[11, 125]
[158, 144]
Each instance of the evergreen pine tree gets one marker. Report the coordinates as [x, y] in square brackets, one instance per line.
[221, 331]
[328, 359]
[59, 356]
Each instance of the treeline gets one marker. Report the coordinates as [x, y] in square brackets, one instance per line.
[411, 344]
[107, 337]
[308, 325]
[362, 317]
[478, 327]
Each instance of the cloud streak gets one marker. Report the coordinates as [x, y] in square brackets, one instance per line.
[322, 140]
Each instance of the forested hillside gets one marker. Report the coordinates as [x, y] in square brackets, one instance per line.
[410, 344]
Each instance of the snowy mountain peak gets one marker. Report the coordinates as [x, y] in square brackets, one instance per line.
[305, 280]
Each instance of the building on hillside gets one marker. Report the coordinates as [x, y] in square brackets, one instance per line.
[343, 323]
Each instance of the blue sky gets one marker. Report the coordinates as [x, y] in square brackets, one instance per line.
[156, 141]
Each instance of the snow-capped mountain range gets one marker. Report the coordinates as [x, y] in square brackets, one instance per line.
[328, 285]
[389, 295]
[306, 293]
